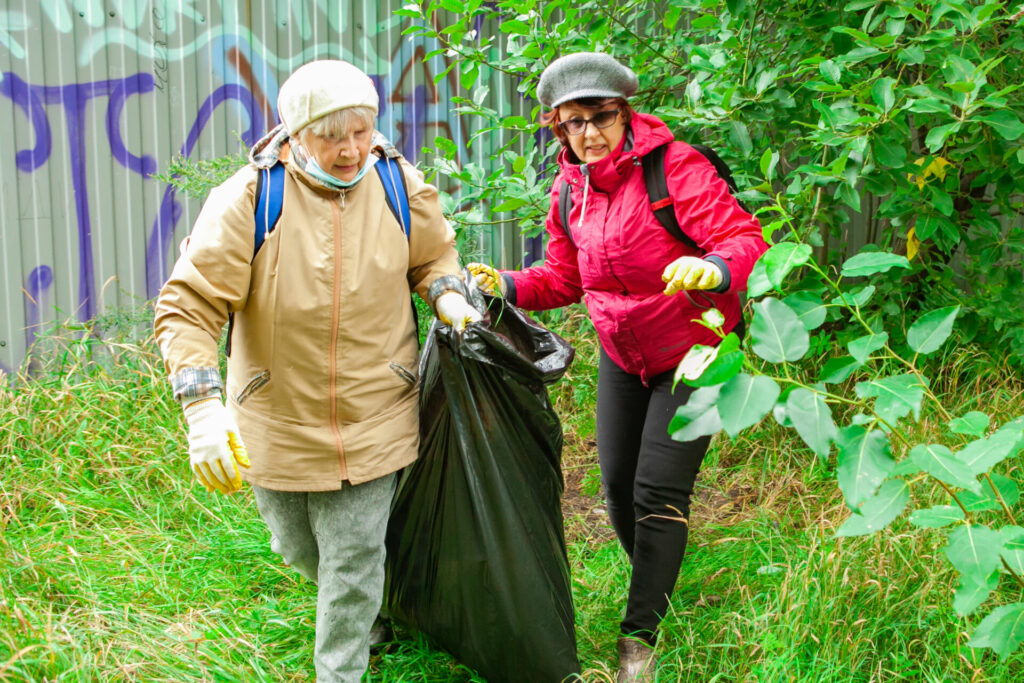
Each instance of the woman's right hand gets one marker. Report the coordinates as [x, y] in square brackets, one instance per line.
[487, 279]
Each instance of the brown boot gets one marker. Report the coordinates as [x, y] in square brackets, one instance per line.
[636, 661]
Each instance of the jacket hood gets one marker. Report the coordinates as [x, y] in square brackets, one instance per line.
[645, 132]
[268, 149]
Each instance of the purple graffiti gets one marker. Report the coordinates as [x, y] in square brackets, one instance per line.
[170, 208]
[37, 284]
[413, 130]
[75, 98]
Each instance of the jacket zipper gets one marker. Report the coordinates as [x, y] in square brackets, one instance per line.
[335, 317]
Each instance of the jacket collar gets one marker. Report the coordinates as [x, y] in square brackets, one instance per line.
[275, 146]
[644, 134]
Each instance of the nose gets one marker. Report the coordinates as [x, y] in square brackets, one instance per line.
[347, 145]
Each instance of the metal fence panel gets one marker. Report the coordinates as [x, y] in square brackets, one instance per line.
[97, 95]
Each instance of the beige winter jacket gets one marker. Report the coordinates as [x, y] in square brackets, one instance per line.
[323, 367]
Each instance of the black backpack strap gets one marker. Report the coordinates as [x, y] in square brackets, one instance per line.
[657, 194]
[564, 208]
[723, 170]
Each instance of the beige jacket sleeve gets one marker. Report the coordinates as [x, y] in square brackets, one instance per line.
[209, 279]
[433, 261]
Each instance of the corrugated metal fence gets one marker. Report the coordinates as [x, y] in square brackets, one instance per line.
[102, 93]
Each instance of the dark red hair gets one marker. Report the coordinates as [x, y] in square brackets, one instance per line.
[550, 118]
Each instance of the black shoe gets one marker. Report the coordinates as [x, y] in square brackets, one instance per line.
[382, 636]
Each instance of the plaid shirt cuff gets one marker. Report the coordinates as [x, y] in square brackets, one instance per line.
[195, 382]
[443, 285]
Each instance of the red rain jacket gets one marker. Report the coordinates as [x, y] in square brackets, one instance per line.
[621, 251]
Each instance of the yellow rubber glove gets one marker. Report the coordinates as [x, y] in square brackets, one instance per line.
[487, 279]
[215, 449]
[689, 272]
[453, 309]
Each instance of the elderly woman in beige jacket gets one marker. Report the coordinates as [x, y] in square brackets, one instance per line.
[321, 382]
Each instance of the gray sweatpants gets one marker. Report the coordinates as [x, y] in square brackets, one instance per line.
[336, 540]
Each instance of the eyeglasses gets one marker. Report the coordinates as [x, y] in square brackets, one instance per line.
[601, 119]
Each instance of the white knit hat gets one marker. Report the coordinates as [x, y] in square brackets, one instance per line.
[316, 89]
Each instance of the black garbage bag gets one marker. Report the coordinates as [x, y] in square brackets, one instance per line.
[476, 556]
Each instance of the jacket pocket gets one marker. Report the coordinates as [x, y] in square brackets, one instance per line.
[252, 387]
[403, 372]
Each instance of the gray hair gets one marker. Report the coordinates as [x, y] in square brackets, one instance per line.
[337, 123]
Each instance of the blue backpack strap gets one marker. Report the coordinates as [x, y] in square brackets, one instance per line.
[389, 169]
[269, 200]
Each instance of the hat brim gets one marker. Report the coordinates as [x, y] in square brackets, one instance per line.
[584, 93]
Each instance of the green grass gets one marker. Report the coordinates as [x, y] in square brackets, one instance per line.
[114, 566]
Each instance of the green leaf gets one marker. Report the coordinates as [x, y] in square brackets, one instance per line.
[936, 137]
[973, 423]
[1008, 490]
[889, 153]
[510, 27]
[932, 329]
[871, 262]
[1002, 630]
[812, 419]
[769, 160]
[757, 282]
[879, 511]
[830, 71]
[723, 368]
[864, 461]
[938, 461]
[838, 370]
[776, 332]
[973, 591]
[930, 105]
[937, 516]
[862, 347]
[809, 307]
[519, 164]
[895, 396]
[1013, 548]
[510, 204]
[906, 468]
[780, 259]
[697, 417]
[740, 136]
[1006, 123]
[911, 55]
[858, 297]
[745, 400]
[883, 93]
[974, 550]
[983, 454]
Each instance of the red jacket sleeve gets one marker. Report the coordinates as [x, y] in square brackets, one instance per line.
[711, 216]
[556, 283]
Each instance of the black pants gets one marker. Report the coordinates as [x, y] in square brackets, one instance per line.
[648, 480]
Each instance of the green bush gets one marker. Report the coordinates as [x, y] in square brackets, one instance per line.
[909, 109]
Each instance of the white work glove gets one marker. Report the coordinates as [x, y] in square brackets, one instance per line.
[689, 272]
[488, 279]
[215, 449]
[453, 309]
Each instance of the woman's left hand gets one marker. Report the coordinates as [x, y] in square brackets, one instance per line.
[689, 272]
[453, 309]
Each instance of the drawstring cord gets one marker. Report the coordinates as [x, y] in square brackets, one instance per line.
[586, 189]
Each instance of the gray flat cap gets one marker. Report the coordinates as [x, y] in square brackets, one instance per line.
[585, 74]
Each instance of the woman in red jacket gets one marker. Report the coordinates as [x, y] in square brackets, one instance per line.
[634, 277]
